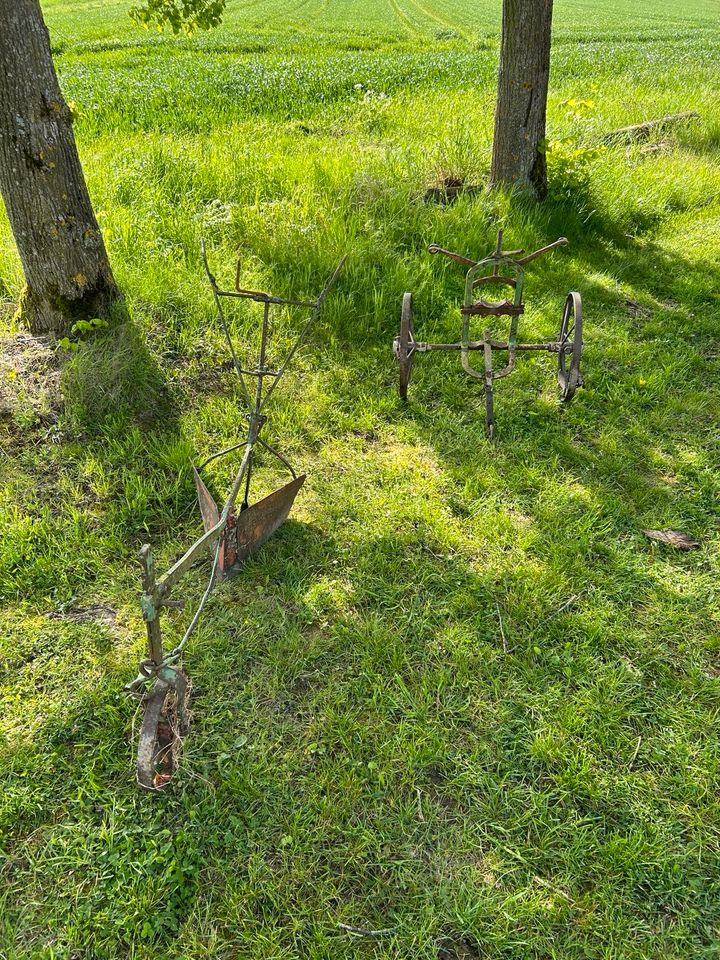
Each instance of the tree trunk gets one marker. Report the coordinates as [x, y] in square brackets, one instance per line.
[61, 247]
[518, 149]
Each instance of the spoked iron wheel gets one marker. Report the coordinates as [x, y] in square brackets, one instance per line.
[571, 345]
[165, 723]
[405, 345]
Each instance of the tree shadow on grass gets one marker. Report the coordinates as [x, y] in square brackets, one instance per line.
[69, 796]
[97, 465]
[335, 695]
[114, 380]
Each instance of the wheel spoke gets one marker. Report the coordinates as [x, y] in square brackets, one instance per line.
[568, 332]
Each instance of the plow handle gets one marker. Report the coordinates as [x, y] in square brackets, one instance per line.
[467, 262]
[561, 242]
[458, 257]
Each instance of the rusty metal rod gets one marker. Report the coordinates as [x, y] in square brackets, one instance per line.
[555, 347]
[181, 566]
[280, 457]
[220, 453]
[562, 242]
[163, 586]
[263, 298]
[458, 257]
[166, 583]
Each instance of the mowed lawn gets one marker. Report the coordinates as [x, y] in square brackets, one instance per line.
[459, 698]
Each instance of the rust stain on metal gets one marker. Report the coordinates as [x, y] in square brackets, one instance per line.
[247, 530]
[260, 521]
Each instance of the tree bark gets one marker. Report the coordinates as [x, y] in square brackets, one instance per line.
[518, 149]
[61, 247]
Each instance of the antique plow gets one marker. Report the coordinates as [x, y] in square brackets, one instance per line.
[505, 270]
[231, 535]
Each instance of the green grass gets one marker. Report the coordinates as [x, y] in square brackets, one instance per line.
[366, 748]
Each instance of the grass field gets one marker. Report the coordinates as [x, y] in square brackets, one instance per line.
[459, 697]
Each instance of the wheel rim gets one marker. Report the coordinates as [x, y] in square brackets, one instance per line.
[570, 332]
[405, 345]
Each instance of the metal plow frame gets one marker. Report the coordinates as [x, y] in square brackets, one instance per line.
[230, 535]
[568, 346]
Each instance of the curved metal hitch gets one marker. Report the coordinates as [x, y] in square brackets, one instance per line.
[166, 721]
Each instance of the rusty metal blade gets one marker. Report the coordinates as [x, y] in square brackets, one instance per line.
[210, 517]
[208, 507]
[254, 525]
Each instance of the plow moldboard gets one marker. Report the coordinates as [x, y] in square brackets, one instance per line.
[260, 521]
[249, 529]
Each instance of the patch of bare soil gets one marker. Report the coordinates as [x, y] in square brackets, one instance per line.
[95, 612]
[29, 381]
[450, 949]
